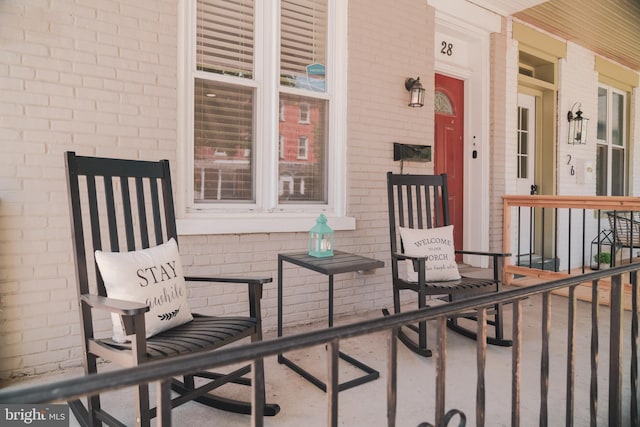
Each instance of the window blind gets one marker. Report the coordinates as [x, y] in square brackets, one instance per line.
[225, 36]
[303, 40]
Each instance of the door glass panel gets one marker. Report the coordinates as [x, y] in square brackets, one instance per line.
[523, 142]
[522, 168]
[443, 104]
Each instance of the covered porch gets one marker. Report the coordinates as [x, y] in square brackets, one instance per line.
[366, 405]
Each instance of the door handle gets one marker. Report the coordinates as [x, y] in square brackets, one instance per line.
[534, 189]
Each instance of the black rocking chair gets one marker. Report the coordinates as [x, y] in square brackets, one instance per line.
[421, 202]
[127, 205]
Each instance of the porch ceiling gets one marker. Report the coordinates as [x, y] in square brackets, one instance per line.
[610, 28]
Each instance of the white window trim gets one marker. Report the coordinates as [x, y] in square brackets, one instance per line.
[261, 218]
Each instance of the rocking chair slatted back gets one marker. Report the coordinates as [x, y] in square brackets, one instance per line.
[417, 202]
[112, 217]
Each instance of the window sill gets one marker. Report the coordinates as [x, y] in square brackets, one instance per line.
[258, 223]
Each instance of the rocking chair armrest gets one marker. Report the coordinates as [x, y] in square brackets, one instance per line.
[399, 256]
[633, 220]
[415, 259]
[491, 254]
[117, 306]
[255, 289]
[243, 280]
[630, 216]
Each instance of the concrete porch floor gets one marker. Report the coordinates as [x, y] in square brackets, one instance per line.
[302, 404]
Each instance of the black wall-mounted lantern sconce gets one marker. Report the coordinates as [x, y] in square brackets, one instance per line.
[577, 126]
[416, 90]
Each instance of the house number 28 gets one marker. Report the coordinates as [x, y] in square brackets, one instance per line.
[447, 48]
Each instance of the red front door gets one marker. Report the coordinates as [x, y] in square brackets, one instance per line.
[448, 146]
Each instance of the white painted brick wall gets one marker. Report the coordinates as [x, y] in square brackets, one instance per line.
[497, 133]
[99, 77]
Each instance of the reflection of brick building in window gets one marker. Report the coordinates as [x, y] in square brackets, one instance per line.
[220, 176]
[302, 150]
[223, 142]
[224, 155]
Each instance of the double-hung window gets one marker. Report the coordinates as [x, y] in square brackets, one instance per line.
[611, 156]
[303, 148]
[262, 76]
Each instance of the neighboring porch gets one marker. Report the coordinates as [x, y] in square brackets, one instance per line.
[563, 235]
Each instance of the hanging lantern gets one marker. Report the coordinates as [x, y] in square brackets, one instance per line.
[416, 98]
[577, 126]
[321, 238]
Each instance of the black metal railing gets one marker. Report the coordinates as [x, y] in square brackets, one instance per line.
[617, 371]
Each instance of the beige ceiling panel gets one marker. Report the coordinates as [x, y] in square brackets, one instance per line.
[608, 28]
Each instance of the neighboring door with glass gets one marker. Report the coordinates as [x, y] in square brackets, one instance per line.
[525, 181]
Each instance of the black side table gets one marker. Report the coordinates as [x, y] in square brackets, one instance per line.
[340, 262]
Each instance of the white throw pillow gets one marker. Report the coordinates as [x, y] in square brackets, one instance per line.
[152, 276]
[436, 245]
